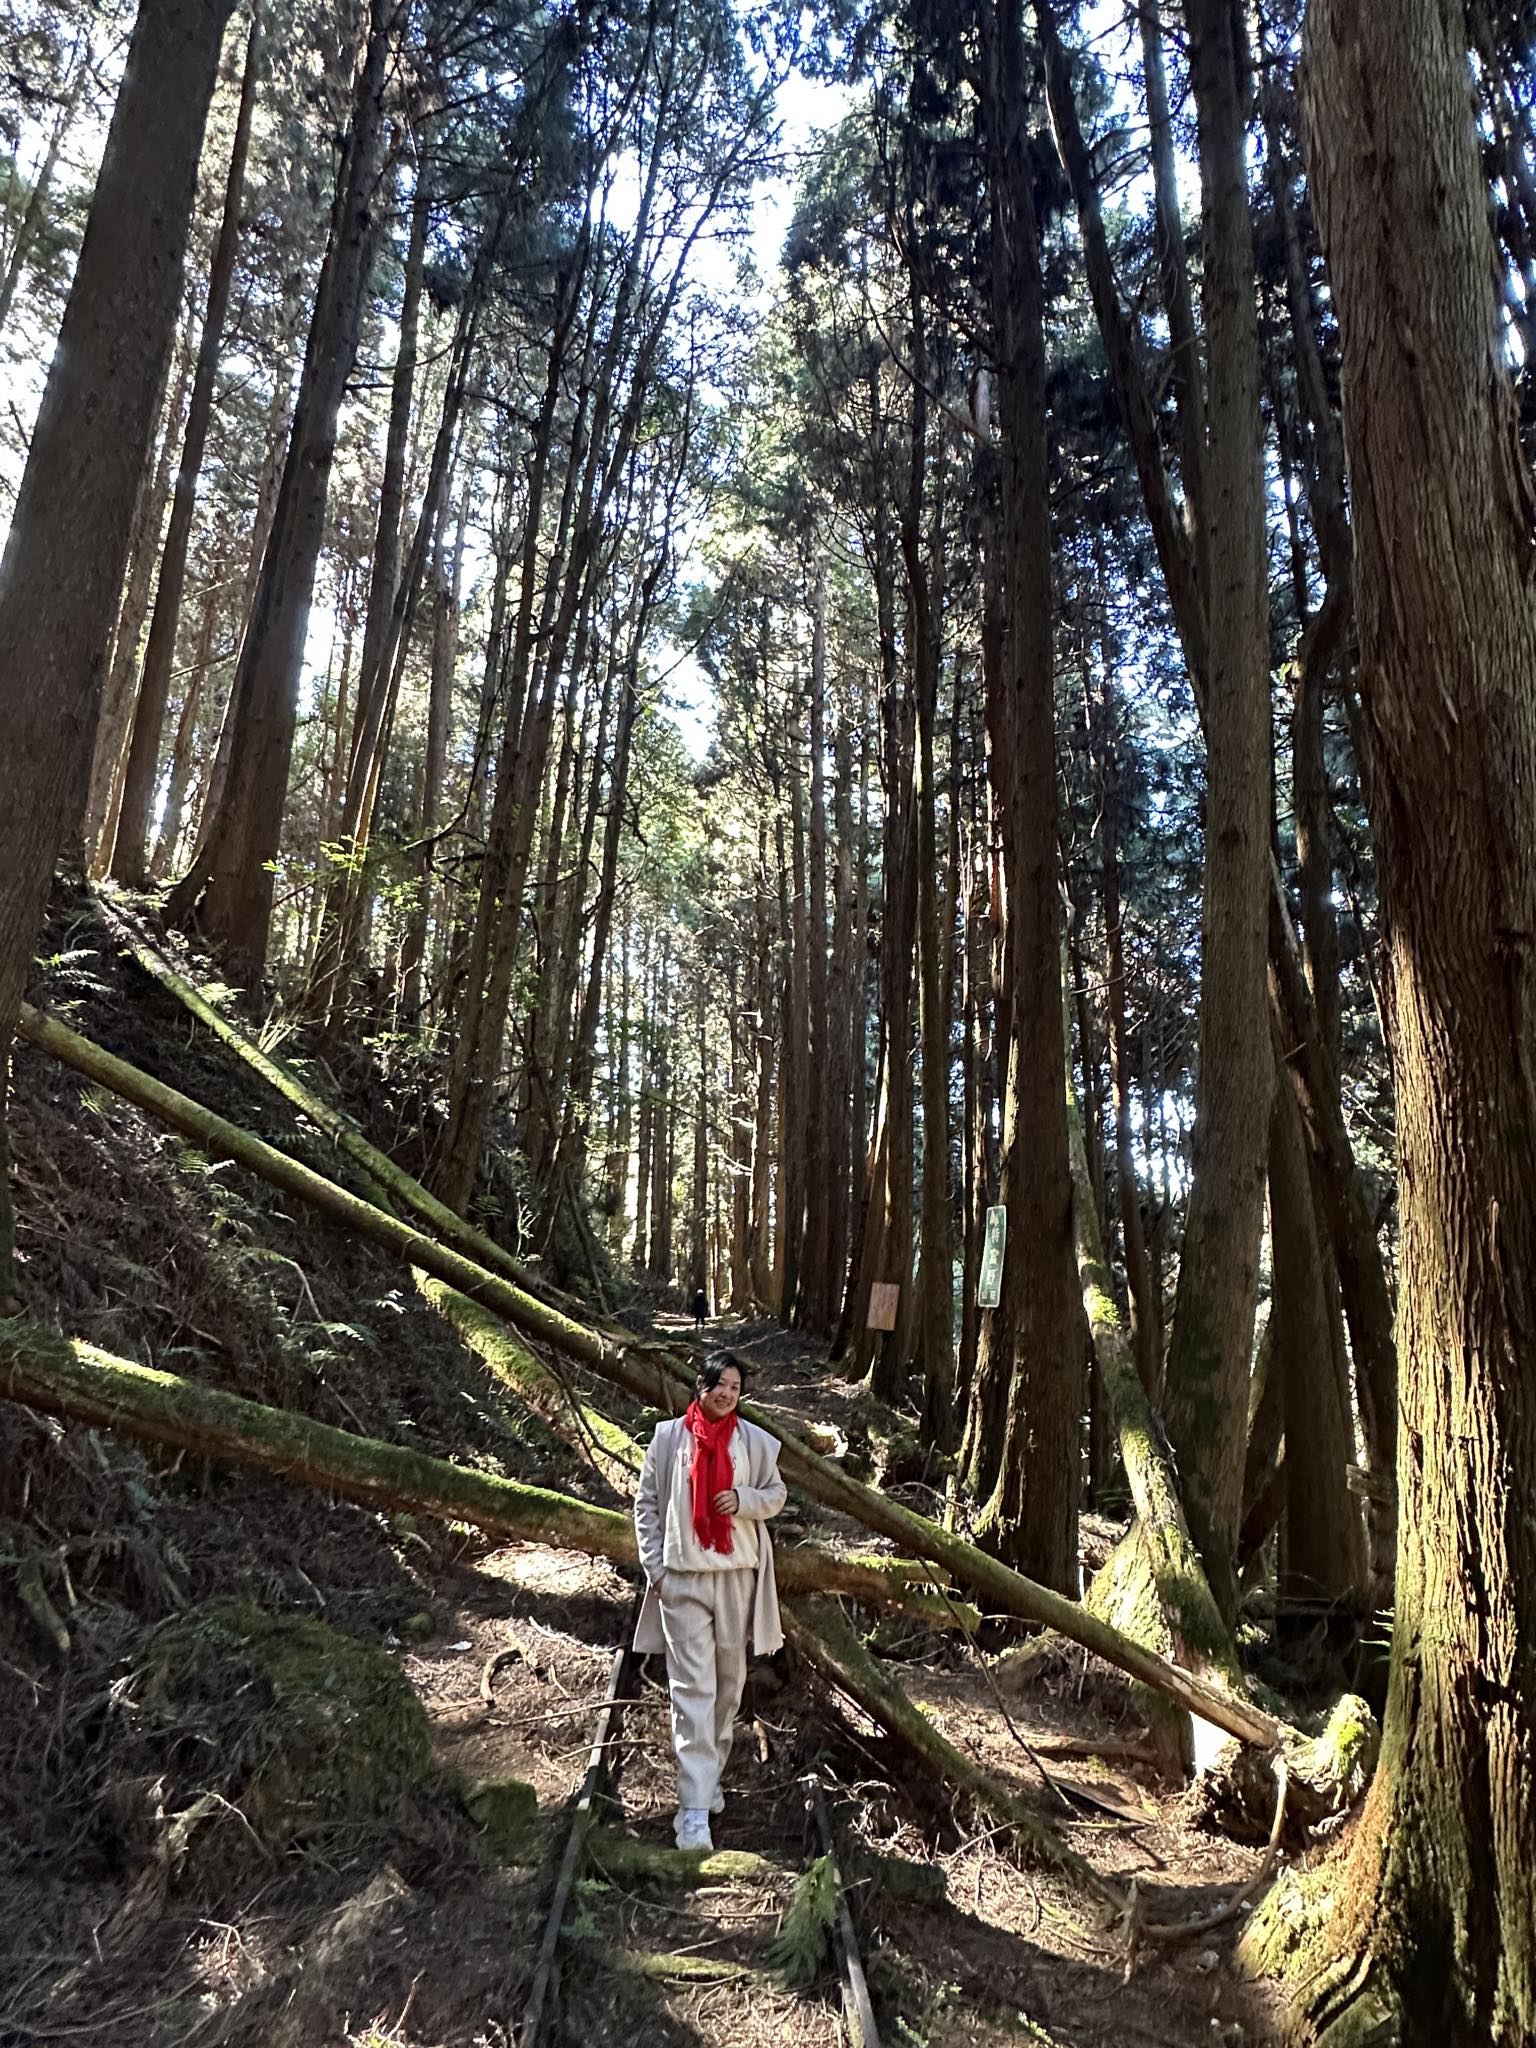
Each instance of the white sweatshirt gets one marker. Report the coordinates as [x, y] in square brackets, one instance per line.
[681, 1549]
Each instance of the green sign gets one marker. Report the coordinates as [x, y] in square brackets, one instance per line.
[989, 1289]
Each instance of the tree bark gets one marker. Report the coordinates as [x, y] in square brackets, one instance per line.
[1032, 1344]
[818, 1286]
[1443, 560]
[108, 751]
[922, 549]
[1324, 1554]
[1346, 1209]
[180, 771]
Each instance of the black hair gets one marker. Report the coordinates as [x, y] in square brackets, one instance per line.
[714, 1366]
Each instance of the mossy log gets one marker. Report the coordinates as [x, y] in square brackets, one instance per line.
[825, 1637]
[59, 1377]
[622, 1856]
[609, 1447]
[648, 1372]
[662, 1966]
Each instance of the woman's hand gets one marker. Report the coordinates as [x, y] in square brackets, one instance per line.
[727, 1503]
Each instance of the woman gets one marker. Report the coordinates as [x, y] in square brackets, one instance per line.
[709, 1478]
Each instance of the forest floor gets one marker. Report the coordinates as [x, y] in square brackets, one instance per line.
[210, 1834]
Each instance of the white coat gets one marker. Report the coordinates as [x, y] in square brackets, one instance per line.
[762, 1492]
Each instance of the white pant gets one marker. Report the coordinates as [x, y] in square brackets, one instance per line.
[704, 1618]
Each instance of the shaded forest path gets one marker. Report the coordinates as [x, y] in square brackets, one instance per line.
[183, 1864]
[962, 1944]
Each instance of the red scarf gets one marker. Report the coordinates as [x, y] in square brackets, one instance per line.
[712, 1474]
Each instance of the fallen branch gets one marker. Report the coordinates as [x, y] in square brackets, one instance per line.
[58, 1376]
[824, 1636]
[648, 1373]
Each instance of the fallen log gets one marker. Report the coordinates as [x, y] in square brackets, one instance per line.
[58, 1376]
[623, 1856]
[824, 1636]
[608, 1446]
[648, 1373]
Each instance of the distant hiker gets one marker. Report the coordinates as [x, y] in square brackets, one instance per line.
[709, 1478]
[700, 1307]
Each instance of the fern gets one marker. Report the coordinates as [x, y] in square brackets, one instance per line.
[799, 1948]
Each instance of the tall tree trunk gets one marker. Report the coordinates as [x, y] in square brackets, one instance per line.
[794, 1063]
[740, 1250]
[698, 1217]
[766, 1039]
[64, 554]
[818, 1282]
[1146, 1307]
[186, 732]
[922, 548]
[1325, 1542]
[135, 817]
[1209, 1359]
[841, 1001]
[1034, 1340]
[228, 891]
[644, 1143]
[108, 752]
[1184, 368]
[447, 596]
[1448, 647]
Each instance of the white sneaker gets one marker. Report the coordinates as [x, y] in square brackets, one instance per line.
[692, 1828]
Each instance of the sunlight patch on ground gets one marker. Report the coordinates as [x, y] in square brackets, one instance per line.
[562, 1573]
